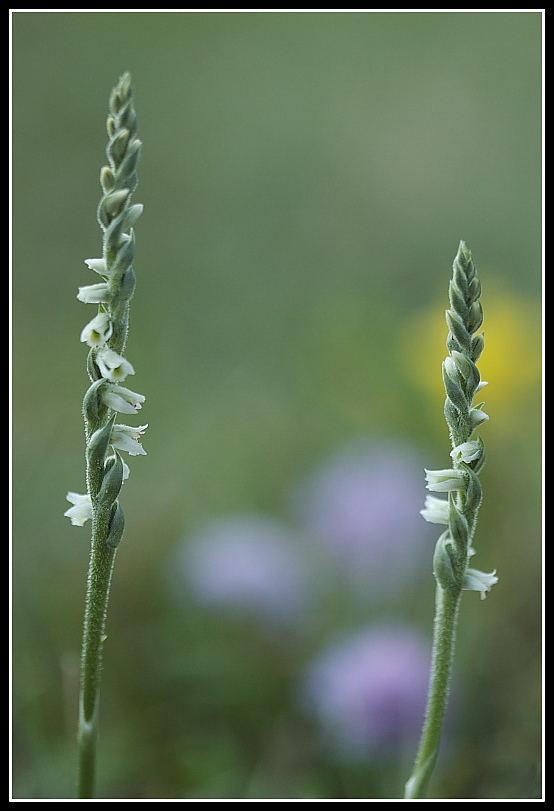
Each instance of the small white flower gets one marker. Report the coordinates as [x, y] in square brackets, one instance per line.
[477, 416]
[126, 438]
[94, 293]
[444, 481]
[98, 265]
[112, 366]
[97, 331]
[436, 510]
[81, 510]
[475, 580]
[467, 452]
[123, 400]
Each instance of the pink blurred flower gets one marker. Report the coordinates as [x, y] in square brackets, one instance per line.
[363, 506]
[368, 691]
[249, 563]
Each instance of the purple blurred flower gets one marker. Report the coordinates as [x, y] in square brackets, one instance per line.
[246, 562]
[364, 507]
[368, 691]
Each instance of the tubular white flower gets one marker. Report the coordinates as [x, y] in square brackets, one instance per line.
[98, 331]
[112, 366]
[94, 293]
[445, 481]
[467, 452]
[126, 438]
[436, 510]
[123, 400]
[81, 510]
[475, 580]
[98, 265]
[477, 416]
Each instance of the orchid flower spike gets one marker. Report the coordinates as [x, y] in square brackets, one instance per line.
[459, 510]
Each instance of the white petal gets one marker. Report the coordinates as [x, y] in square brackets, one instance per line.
[112, 366]
[81, 510]
[467, 452]
[126, 438]
[474, 580]
[98, 265]
[444, 481]
[436, 510]
[94, 293]
[97, 331]
[123, 400]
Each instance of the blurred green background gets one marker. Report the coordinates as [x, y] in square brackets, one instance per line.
[306, 178]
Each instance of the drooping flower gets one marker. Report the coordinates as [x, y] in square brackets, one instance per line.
[436, 510]
[98, 331]
[476, 580]
[121, 399]
[127, 438]
[367, 692]
[112, 366]
[81, 510]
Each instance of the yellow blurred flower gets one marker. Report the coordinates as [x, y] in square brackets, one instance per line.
[511, 362]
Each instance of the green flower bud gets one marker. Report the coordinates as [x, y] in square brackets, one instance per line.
[454, 390]
[458, 527]
[98, 444]
[107, 179]
[117, 525]
[113, 203]
[118, 144]
[112, 480]
[445, 563]
[477, 346]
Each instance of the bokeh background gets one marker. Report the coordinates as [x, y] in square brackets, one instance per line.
[306, 178]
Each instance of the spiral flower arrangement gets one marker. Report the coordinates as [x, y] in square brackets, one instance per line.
[459, 511]
[107, 367]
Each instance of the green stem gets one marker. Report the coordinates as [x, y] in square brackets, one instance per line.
[446, 616]
[101, 563]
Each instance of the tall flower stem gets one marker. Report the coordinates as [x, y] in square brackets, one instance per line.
[446, 616]
[459, 511]
[101, 564]
[106, 335]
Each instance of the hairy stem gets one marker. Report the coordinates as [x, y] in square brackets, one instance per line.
[101, 563]
[447, 606]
